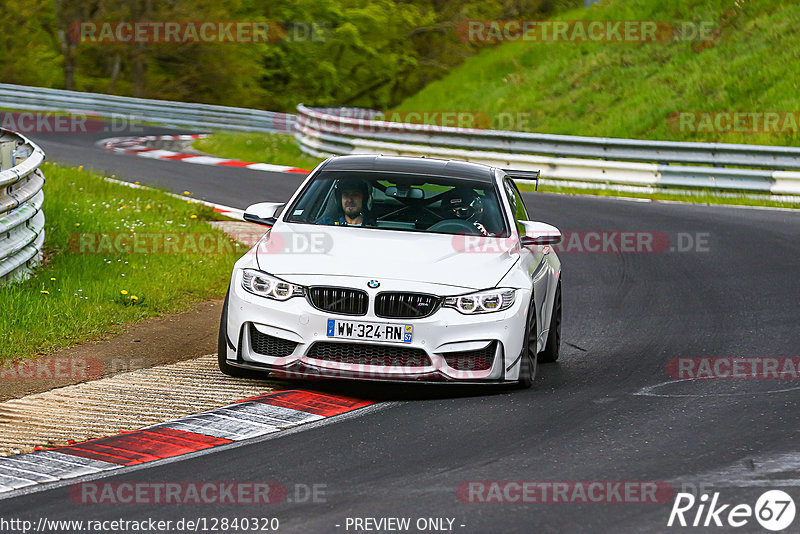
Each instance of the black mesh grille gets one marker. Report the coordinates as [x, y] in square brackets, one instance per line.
[406, 305]
[339, 300]
[472, 360]
[270, 345]
[362, 354]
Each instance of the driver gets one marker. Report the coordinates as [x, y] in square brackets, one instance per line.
[465, 204]
[461, 203]
[353, 199]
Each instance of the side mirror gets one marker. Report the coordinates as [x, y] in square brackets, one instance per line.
[263, 213]
[539, 233]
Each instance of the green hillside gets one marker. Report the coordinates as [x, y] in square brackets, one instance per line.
[747, 62]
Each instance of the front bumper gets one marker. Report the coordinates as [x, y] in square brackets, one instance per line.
[445, 339]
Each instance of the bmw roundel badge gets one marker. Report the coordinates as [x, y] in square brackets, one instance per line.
[373, 284]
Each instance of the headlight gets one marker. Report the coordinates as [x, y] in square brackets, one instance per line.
[264, 285]
[491, 300]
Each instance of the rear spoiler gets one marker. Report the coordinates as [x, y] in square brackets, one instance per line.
[523, 175]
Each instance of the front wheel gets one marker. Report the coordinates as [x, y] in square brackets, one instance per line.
[527, 364]
[552, 350]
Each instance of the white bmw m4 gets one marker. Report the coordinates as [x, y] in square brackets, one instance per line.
[399, 269]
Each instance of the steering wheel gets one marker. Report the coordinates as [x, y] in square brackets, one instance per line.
[454, 226]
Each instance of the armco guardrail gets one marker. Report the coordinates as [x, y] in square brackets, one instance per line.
[322, 132]
[202, 116]
[627, 162]
[21, 198]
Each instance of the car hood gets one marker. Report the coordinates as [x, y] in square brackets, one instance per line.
[471, 262]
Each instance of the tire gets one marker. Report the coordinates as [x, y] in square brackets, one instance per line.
[552, 349]
[528, 360]
[222, 351]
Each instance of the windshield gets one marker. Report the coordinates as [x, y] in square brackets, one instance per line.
[398, 201]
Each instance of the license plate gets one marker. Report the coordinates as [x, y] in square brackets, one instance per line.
[398, 333]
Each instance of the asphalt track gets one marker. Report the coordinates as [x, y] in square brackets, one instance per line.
[602, 413]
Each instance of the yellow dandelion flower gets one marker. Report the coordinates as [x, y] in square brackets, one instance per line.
[193, 216]
[77, 224]
[46, 292]
[134, 297]
[80, 168]
[124, 291]
[147, 207]
[137, 183]
[52, 279]
[186, 193]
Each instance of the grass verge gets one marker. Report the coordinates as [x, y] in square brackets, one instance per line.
[634, 89]
[277, 149]
[89, 286]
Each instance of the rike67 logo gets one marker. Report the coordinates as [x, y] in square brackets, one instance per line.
[774, 510]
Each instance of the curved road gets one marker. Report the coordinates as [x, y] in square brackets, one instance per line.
[604, 412]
